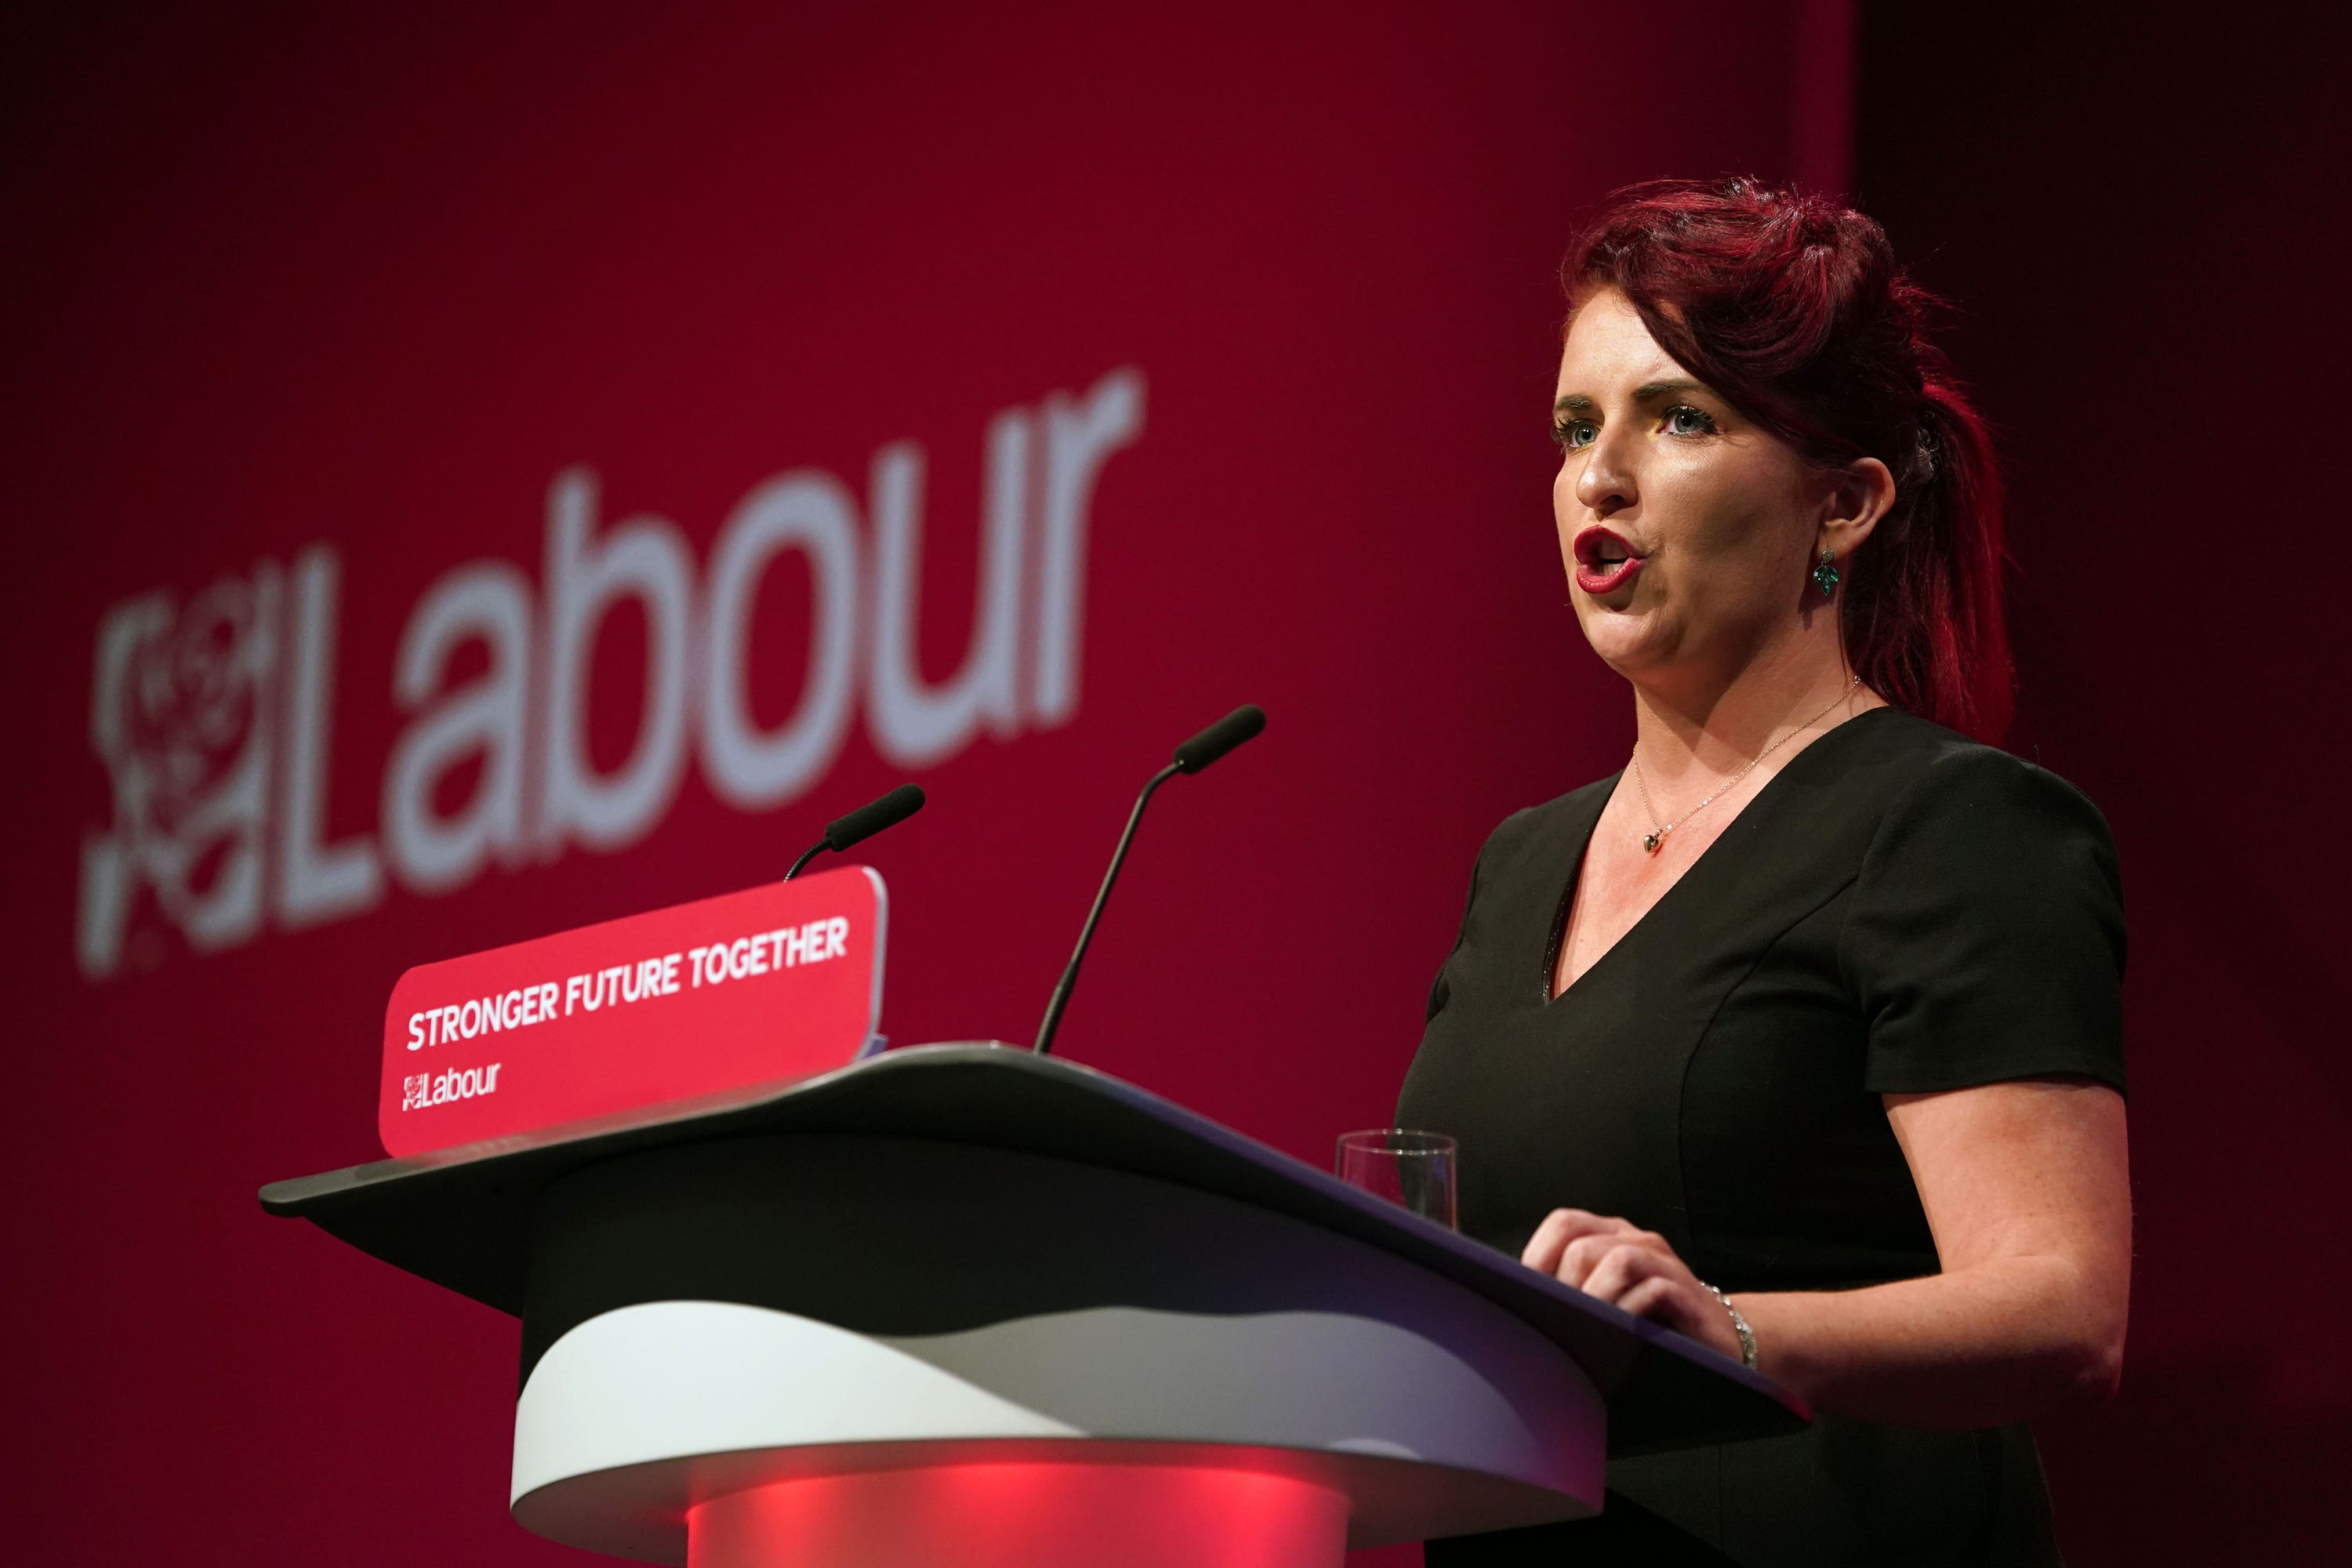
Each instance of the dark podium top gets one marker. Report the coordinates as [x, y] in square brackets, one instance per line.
[461, 1218]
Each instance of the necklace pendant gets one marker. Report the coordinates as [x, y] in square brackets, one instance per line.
[1650, 841]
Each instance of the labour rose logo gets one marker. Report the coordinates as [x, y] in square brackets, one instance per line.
[180, 716]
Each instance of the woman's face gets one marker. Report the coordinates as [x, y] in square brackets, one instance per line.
[1687, 531]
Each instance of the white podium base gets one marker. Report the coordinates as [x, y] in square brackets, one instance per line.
[1026, 1515]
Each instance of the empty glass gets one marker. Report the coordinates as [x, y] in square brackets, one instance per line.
[1414, 1169]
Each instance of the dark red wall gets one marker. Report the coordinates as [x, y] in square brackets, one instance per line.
[281, 277]
[2143, 225]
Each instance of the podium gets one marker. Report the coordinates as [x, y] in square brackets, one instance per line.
[964, 1306]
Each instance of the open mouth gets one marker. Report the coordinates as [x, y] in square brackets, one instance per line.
[1605, 562]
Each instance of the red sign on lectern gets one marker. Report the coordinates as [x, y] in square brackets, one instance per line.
[769, 985]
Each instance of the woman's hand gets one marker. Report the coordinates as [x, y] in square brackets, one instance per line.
[1632, 1268]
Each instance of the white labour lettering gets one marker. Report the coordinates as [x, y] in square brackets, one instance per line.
[517, 721]
[464, 1083]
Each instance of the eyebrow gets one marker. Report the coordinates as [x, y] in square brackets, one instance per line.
[1648, 392]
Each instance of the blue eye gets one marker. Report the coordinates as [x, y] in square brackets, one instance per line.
[1573, 434]
[1682, 420]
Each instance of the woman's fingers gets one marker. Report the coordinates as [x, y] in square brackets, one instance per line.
[1579, 1257]
[1618, 1269]
[1630, 1267]
[1561, 1227]
[1649, 1283]
[1656, 1298]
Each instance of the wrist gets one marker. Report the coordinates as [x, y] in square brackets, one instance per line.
[1739, 1329]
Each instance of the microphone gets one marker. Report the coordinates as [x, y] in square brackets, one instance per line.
[1243, 723]
[864, 823]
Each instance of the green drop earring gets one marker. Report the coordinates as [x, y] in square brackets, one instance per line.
[1825, 575]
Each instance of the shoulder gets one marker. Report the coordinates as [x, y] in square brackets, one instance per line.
[1942, 787]
[1985, 934]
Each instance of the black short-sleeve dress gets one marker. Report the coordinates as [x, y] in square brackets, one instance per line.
[1898, 911]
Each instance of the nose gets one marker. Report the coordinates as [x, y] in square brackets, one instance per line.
[1605, 487]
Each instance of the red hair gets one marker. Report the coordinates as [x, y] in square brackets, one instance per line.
[1793, 308]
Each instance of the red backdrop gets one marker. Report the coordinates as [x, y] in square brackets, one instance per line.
[2147, 271]
[322, 334]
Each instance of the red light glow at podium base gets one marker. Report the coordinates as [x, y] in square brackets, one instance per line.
[1025, 1515]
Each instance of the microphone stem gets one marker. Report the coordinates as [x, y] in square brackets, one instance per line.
[814, 850]
[1070, 975]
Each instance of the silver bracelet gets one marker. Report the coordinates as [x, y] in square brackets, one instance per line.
[1738, 1326]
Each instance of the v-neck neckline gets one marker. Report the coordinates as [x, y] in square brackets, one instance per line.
[1583, 840]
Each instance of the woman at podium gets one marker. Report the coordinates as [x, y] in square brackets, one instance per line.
[1801, 1033]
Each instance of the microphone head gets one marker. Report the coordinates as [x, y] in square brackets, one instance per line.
[1242, 724]
[873, 817]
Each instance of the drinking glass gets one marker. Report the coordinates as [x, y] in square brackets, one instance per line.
[1405, 1167]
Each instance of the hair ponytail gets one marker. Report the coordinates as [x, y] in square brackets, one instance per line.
[1923, 609]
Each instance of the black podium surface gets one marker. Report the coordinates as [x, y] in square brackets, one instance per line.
[463, 1218]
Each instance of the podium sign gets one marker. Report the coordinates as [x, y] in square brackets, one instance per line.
[772, 983]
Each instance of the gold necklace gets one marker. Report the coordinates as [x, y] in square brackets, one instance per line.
[1657, 836]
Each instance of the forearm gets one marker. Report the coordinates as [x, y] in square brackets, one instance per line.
[2006, 1340]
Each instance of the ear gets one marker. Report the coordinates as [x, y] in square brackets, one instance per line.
[1854, 498]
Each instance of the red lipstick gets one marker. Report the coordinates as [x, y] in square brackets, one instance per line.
[1605, 562]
